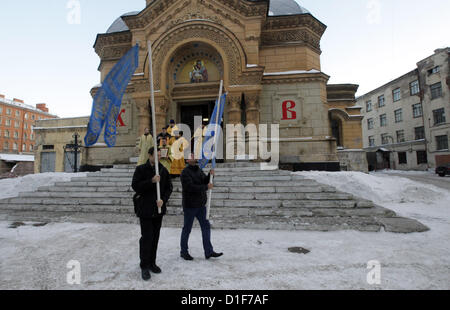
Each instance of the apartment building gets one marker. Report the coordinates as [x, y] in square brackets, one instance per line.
[406, 121]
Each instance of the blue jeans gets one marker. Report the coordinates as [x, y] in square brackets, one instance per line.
[189, 215]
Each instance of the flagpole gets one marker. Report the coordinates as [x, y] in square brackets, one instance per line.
[152, 94]
[211, 181]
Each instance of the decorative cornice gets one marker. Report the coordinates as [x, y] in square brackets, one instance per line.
[108, 39]
[295, 21]
[295, 78]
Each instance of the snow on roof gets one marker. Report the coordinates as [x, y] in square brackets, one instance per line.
[22, 105]
[16, 158]
[291, 72]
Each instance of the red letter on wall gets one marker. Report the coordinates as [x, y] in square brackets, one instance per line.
[287, 108]
[120, 122]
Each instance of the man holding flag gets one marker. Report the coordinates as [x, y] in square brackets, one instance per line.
[195, 185]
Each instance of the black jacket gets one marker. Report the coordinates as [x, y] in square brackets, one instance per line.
[146, 197]
[195, 184]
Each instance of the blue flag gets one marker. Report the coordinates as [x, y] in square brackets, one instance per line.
[209, 149]
[108, 100]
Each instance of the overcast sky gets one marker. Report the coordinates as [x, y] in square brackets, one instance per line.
[44, 58]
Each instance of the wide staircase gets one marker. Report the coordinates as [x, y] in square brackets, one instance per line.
[244, 197]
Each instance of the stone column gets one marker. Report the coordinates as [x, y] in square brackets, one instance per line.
[234, 145]
[252, 108]
[252, 121]
[143, 114]
[161, 108]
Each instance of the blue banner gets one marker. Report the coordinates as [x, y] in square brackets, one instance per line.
[209, 149]
[108, 100]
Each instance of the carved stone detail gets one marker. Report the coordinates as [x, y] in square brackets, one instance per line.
[195, 32]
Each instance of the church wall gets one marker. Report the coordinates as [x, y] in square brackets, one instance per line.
[305, 137]
[289, 58]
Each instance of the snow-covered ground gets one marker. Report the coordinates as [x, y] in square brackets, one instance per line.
[36, 257]
[29, 183]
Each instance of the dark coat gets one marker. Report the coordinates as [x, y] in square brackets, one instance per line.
[195, 184]
[146, 196]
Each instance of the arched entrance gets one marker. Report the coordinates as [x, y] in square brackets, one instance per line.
[193, 78]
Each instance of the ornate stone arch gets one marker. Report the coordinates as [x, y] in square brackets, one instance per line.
[225, 42]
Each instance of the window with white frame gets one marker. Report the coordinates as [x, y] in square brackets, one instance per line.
[397, 94]
[441, 143]
[417, 110]
[369, 105]
[439, 116]
[15, 146]
[398, 116]
[381, 101]
[371, 141]
[436, 90]
[400, 136]
[383, 120]
[414, 88]
[384, 139]
[370, 123]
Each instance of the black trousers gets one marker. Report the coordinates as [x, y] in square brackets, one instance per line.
[150, 230]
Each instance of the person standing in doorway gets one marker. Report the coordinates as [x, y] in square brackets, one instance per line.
[145, 143]
[195, 184]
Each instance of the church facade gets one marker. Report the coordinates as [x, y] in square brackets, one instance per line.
[268, 55]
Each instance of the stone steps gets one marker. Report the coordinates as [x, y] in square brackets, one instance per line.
[244, 197]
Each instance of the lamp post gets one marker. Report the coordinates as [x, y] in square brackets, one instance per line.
[75, 146]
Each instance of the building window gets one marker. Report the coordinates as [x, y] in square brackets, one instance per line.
[1, 110]
[6, 145]
[8, 122]
[25, 125]
[32, 136]
[384, 139]
[16, 124]
[8, 111]
[370, 123]
[17, 113]
[400, 136]
[434, 70]
[402, 159]
[381, 101]
[24, 147]
[442, 143]
[436, 90]
[422, 157]
[0, 120]
[25, 136]
[414, 88]
[397, 94]
[439, 116]
[417, 110]
[419, 133]
[31, 147]
[371, 141]
[33, 117]
[383, 120]
[6, 133]
[26, 115]
[398, 116]
[15, 146]
[369, 105]
[16, 135]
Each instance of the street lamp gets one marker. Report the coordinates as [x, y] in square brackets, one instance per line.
[76, 147]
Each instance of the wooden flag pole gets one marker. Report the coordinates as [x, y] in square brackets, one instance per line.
[211, 181]
[152, 94]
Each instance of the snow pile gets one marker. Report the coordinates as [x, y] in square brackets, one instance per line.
[379, 188]
[12, 187]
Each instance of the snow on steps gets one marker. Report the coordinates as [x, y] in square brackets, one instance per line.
[244, 197]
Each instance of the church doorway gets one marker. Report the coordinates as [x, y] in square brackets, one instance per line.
[190, 110]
